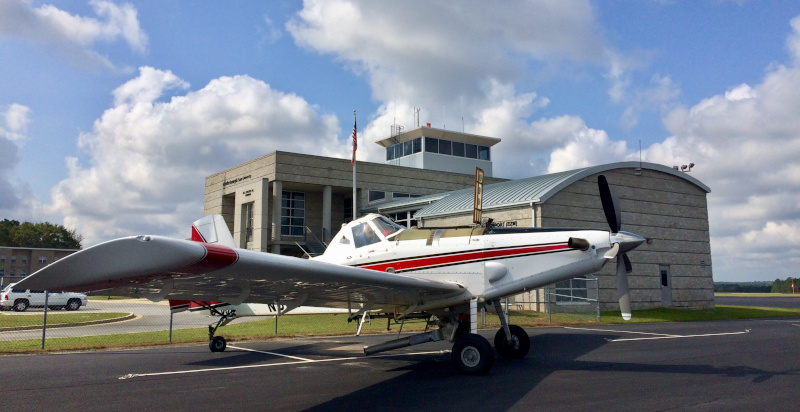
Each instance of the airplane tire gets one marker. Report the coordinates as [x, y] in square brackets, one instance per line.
[518, 348]
[472, 354]
[217, 344]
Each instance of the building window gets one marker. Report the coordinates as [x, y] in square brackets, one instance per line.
[407, 148]
[445, 147]
[2, 258]
[24, 259]
[483, 153]
[458, 149]
[42, 259]
[376, 195]
[431, 145]
[348, 210]
[572, 292]
[403, 218]
[13, 258]
[293, 213]
[471, 151]
[248, 216]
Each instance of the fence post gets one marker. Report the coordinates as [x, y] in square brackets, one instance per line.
[44, 321]
[597, 293]
[170, 326]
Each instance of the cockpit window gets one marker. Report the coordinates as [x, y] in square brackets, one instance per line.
[386, 226]
[364, 235]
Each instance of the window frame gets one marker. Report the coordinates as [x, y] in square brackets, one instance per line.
[293, 223]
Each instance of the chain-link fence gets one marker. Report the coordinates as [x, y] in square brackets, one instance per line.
[116, 322]
[104, 322]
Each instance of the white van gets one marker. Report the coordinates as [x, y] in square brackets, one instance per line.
[22, 299]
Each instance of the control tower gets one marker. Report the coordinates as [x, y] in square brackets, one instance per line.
[437, 149]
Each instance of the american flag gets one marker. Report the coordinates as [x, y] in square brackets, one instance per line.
[355, 143]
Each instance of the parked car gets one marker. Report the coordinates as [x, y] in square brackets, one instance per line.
[22, 299]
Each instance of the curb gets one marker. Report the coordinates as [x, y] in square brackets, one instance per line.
[69, 325]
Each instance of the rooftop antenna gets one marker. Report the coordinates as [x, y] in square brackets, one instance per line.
[639, 169]
[462, 114]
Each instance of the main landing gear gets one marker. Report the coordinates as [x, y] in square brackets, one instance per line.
[472, 353]
[218, 343]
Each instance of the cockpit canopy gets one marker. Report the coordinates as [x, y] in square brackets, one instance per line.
[365, 231]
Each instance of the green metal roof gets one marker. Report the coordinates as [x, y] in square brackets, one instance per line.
[530, 190]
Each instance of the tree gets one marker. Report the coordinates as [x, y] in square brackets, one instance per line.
[782, 286]
[40, 235]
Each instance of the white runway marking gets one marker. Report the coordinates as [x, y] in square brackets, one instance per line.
[228, 368]
[271, 353]
[657, 335]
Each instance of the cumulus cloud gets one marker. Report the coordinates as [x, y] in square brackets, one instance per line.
[149, 158]
[746, 144]
[75, 35]
[450, 71]
[13, 131]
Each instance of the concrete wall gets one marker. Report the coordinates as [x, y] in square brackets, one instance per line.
[226, 192]
[670, 212]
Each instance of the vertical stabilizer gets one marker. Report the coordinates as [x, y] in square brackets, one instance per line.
[212, 229]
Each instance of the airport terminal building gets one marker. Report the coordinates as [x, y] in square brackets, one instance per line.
[290, 203]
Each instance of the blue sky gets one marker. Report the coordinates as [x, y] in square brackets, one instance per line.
[109, 108]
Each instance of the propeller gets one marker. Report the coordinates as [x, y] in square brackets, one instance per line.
[622, 242]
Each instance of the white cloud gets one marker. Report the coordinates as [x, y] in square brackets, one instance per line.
[149, 159]
[15, 127]
[745, 143]
[450, 71]
[75, 35]
[14, 194]
[793, 42]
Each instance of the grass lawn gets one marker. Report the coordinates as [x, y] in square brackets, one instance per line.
[759, 295]
[9, 320]
[320, 325]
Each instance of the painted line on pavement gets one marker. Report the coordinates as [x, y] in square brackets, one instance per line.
[271, 353]
[229, 368]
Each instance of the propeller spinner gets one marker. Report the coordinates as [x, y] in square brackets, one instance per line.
[622, 242]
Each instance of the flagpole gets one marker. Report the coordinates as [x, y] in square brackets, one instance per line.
[354, 164]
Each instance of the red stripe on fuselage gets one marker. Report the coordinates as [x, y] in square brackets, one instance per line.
[465, 257]
[217, 257]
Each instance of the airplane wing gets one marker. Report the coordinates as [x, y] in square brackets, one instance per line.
[159, 267]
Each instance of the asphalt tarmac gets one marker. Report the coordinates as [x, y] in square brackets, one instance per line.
[790, 302]
[729, 365]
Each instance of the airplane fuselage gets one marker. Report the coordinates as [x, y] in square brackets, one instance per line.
[488, 263]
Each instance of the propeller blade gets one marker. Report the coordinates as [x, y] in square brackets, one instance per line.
[622, 290]
[628, 266]
[612, 253]
[610, 205]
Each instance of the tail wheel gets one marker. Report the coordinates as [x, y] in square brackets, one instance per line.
[472, 354]
[217, 344]
[20, 305]
[519, 345]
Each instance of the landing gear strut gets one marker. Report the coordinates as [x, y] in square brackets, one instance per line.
[472, 353]
[218, 343]
[511, 341]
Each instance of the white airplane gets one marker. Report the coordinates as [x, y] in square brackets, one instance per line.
[372, 264]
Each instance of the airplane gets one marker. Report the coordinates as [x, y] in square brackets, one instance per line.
[441, 276]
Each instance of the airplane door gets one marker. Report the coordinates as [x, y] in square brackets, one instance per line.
[666, 286]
